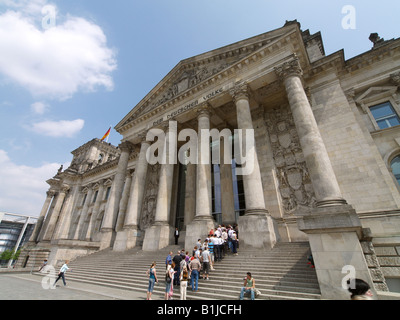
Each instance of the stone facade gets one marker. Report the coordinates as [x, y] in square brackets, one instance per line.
[321, 167]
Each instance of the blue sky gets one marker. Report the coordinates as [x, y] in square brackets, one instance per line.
[64, 82]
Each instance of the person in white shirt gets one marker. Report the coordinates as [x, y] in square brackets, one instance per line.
[62, 272]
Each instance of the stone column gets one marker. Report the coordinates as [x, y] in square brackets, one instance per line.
[83, 217]
[120, 240]
[203, 221]
[64, 224]
[95, 211]
[190, 190]
[160, 234]
[333, 227]
[227, 197]
[39, 223]
[136, 196]
[47, 236]
[256, 227]
[111, 212]
[322, 176]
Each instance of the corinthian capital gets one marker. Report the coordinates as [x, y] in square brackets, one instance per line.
[203, 110]
[126, 146]
[290, 68]
[240, 91]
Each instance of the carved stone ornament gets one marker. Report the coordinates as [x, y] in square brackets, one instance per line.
[290, 68]
[295, 185]
[395, 79]
[204, 109]
[240, 91]
[150, 197]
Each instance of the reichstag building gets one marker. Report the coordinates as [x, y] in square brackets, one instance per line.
[324, 165]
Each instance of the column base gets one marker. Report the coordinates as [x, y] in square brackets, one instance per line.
[127, 238]
[331, 202]
[107, 238]
[257, 230]
[199, 228]
[157, 237]
[334, 234]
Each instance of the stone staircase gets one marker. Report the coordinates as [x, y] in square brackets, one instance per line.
[281, 273]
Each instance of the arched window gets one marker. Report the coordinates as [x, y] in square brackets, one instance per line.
[395, 165]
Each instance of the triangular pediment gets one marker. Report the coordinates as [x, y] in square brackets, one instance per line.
[191, 72]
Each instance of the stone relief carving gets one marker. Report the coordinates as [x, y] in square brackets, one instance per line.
[294, 181]
[187, 80]
[150, 198]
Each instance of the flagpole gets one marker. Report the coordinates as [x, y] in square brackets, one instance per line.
[108, 135]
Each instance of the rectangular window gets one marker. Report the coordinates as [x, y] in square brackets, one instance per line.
[108, 193]
[95, 196]
[385, 116]
[84, 199]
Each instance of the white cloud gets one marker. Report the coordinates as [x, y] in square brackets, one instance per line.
[53, 62]
[39, 107]
[61, 128]
[23, 188]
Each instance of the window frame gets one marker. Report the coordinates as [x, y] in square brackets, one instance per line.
[394, 107]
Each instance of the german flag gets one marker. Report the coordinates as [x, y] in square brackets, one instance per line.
[106, 135]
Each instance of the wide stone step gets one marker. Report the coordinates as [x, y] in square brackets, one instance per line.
[311, 287]
[229, 293]
[280, 273]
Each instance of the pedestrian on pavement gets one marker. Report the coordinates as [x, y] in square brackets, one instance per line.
[152, 279]
[62, 272]
[43, 265]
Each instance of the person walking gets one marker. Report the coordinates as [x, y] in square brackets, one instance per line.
[194, 267]
[62, 272]
[152, 279]
[43, 265]
[248, 286]
[184, 277]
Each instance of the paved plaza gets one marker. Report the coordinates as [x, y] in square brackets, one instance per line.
[29, 287]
